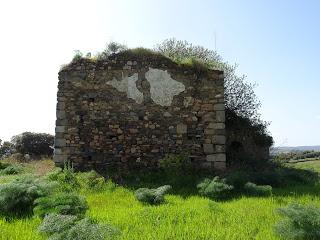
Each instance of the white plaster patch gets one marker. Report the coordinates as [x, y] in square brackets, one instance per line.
[162, 87]
[128, 85]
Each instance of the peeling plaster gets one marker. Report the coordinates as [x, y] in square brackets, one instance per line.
[128, 85]
[162, 87]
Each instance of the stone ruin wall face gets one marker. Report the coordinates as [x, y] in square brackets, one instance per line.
[124, 113]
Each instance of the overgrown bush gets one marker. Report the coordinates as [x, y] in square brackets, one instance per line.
[152, 196]
[272, 178]
[237, 179]
[61, 203]
[215, 188]
[284, 176]
[257, 190]
[66, 227]
[56, 223]
[17, 197]
[66, 178]
[300, 223]
[11, 169]
[91, 180]
[294, 176]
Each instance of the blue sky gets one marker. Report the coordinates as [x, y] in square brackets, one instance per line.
[275, 43]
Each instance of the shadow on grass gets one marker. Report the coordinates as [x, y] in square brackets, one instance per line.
[286, 181]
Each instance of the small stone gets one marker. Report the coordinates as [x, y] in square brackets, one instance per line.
[181, 128]
[133, 130]
[167, 114]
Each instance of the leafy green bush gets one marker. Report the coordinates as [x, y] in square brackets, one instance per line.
[237, 179]
[61, 203]
[216, 188]
[17, 197]
[66, 227]
[11, 169]
[152, 196]
[300, 223]
[91, 180]
[257, 190]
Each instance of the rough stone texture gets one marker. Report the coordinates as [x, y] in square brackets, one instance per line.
[128, 111]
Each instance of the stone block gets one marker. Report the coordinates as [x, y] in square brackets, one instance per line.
[218, 107]
[59, 142]
[219, 139]
[219, 157]
[220, 148]
[61, 114]
[61, 105]
[220, 116]
[60, 129]
[208, 148]
[217, 125]
[181, 128]
[57, 151]
[219, 165]
[60, 158]
[209, 131]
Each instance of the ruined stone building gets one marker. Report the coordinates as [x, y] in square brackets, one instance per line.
[133, 110]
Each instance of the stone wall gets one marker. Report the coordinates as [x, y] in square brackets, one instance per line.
[132, 110]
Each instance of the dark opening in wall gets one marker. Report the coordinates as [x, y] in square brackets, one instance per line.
[91, 99]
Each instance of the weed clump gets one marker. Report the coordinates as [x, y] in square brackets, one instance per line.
[215, 188]
[66, 227]
[301, 222]
[91, 180]
[11, 169]
[257, 190]
[17, 197]
[152, 196]
[61, 203]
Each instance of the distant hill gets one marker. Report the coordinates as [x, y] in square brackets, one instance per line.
[277, 150]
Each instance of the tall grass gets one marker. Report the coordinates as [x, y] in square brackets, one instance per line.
[181, 217]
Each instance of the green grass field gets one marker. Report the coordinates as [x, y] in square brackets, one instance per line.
[191, 217]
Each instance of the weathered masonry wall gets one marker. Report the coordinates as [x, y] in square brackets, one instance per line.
[129, 111]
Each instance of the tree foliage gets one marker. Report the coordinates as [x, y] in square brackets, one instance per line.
[6, 149]
[33, 143]
[239, 93]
